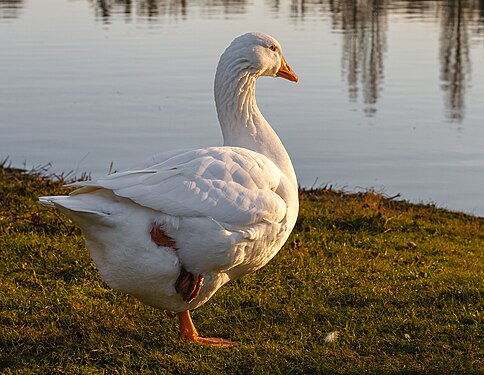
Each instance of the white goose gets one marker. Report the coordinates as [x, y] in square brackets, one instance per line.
[173, 230]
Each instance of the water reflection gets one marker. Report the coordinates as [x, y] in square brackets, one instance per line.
[454, 55]
[10, 8]
[144, 9]
[363, 24]
[151, 10]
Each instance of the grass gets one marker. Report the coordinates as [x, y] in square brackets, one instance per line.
[401, 284]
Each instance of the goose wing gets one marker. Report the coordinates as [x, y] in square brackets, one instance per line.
[229, 184]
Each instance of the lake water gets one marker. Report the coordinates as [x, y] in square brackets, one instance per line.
[391, 93]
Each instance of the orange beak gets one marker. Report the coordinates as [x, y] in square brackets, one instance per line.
[286, 72]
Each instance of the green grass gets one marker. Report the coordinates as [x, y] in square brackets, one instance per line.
[351, 266]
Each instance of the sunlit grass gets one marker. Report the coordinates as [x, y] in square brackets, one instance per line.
[400, 284]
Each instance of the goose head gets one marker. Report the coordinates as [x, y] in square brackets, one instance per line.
[258, 54]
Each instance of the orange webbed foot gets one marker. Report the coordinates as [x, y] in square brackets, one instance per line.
[214, 341]
[188, 332]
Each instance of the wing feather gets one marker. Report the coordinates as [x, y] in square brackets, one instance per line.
[229, 184]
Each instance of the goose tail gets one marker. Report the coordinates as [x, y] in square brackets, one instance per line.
[67, 204]
[49, 201]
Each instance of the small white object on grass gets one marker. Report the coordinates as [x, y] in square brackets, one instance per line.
[331, 337]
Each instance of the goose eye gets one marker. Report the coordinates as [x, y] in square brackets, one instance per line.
[273, 48]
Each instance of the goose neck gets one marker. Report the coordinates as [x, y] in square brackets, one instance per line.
[242, 123]
[237, 110]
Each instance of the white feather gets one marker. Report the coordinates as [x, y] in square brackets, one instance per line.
[332, 336]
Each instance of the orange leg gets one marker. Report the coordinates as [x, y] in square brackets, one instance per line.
[189, 332]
